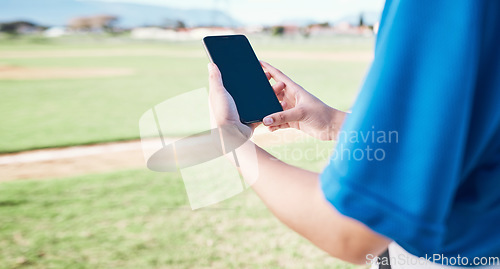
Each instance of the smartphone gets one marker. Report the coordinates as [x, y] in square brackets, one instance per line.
[242, 76]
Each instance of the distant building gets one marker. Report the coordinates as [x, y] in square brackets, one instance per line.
[55, 31]
[97, 23]
[178, 35]
[253, 29]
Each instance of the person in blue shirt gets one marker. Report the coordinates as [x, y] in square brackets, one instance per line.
[417, 164]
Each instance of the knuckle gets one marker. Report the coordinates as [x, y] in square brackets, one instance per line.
[281, 117]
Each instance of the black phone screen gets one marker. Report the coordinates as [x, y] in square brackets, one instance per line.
[243, 77]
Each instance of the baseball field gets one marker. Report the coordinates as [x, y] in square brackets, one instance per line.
[73, 93]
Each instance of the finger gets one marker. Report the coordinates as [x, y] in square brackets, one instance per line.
[281, 96]
[283, 117]
[254, 125]
[273, 128]
[214, 78]
[281, 126]
[268, 75]
[275, 73]
[284, 105]
[284, 126]
[279, 87]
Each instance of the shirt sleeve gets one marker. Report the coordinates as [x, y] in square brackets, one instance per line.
[398, 160]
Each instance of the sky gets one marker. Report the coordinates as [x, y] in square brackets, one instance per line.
[275, 11]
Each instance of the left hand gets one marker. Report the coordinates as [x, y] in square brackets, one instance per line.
[222, 107]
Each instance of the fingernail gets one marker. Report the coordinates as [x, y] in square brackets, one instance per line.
[268, 121]
[210, 66]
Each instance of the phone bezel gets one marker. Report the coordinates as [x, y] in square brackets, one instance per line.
[211, 60]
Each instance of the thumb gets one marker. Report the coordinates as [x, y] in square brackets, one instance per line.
[214, 77]
[293, 114]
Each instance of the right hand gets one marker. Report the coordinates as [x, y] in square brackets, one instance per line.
[302, 110]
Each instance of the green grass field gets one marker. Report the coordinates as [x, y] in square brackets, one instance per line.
[138, 218]
[142, 219]
[41, 113]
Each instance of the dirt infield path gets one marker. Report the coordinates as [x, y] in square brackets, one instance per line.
[81, 160]
[25, 73]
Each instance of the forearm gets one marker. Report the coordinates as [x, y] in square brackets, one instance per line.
[295, 197]
[337, 120]
[291, 193]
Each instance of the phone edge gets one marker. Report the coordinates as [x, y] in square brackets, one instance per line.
[206, 49]
[212, 61]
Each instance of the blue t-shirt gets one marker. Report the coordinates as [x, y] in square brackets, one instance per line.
[418, 160]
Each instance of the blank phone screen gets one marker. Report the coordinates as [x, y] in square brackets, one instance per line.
[243, 77]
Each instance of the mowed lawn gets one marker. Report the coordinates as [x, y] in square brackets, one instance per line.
[139, 218]
[142, 219]
[53, 112]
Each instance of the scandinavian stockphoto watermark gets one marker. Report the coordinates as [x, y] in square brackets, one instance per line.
[433, 259]
[177, 136]
[370, 145]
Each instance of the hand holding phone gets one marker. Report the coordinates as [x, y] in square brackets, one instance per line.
[243, 77]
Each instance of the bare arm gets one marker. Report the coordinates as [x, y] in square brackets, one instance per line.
[295, 197]
[294, 194]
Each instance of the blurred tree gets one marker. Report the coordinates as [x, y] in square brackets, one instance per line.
[174, 24]
[306, 32]
[104, 22]
[180, 25]
[324, 24]
[361, 20]
[278, 30]
[19, 27]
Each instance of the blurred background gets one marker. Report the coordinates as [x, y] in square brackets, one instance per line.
[76, 76]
